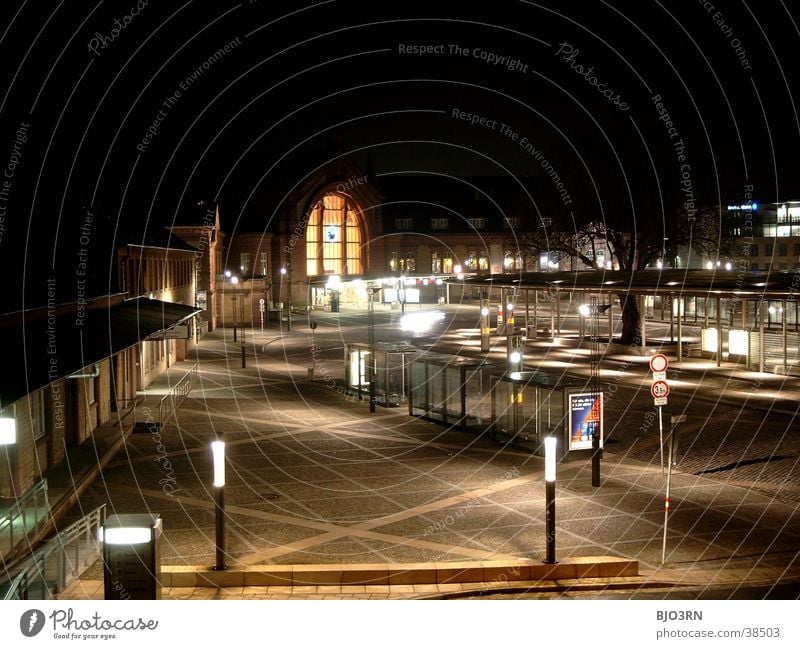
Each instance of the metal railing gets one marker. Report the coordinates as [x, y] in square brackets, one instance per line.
[61, 560]
[32, 510]
[172, 401]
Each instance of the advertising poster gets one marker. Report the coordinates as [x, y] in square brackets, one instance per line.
[585, 419]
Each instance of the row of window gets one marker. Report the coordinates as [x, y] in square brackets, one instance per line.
[444, 263]
[780, 250]
[444, 223]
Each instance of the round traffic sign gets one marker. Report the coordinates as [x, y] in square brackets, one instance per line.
[659, 389]
[659, 363]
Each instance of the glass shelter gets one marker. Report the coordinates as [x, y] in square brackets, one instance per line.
[450, 390]
[529, 406]
[392, 366]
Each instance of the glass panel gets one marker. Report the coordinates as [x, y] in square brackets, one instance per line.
[418, 389]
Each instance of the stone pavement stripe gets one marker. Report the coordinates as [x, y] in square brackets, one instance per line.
[333, 530]
[203, 448]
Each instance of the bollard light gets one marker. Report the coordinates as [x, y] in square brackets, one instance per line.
[550, 459]
[8, 431]
[550, 498]
[218, 459]
[218, 455]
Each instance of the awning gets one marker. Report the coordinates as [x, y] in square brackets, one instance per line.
[46, 345]
[750, 285]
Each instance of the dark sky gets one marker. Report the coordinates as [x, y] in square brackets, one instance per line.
[133, 108]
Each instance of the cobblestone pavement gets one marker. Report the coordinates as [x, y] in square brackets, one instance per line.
[315, 478]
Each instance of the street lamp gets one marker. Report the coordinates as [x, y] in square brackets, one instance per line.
[485, 340]
[286, 271]
[550, 498]
[218, 457]
[371, 290]
[234, 282]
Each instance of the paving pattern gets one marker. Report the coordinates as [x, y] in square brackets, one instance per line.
[313, 477]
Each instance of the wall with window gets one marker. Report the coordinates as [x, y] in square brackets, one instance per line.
[64, 413]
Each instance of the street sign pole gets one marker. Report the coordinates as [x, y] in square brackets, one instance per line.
[661, 439]
[666, 501]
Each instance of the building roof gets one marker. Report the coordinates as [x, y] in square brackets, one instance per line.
[702, 283]
[43, 346]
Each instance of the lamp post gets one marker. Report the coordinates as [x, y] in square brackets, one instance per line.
[218, 456]
[286, 271]
[371, 290]
[234, 282]
[485, 340]
[550, 498]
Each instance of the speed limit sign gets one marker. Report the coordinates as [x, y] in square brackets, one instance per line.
[659, 389]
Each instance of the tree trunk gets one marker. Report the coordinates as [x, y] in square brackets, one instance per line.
[631, 320]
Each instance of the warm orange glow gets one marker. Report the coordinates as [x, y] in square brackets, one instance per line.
[333, 238]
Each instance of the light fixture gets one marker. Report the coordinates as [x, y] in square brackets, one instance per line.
[126, 535]
[584, 310]
[8, 431]
[550, 498]
[218, 454]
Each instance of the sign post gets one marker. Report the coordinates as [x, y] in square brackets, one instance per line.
[674, 421]
[660, 389]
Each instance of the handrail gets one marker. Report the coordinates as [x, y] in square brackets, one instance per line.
[171, 401]
[19, 510]
[34, 570]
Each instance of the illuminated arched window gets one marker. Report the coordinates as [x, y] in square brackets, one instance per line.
[333, 238]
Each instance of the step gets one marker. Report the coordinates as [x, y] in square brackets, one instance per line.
[398, 573]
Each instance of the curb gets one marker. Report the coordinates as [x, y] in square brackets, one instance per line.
[391, 574]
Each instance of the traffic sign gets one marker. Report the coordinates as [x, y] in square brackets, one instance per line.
[659, 376]
[660, 401]
[659, 389]
[659, 363]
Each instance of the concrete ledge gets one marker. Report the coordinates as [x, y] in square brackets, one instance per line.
[396, 574]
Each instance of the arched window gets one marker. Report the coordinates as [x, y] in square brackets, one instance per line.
[333, 238]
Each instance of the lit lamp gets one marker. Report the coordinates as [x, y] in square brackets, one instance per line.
[8, 431]
[485, 340]
[550, 498]
[584, 310]
[218, 457]
[234, 282]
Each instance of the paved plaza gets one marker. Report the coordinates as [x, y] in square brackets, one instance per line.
[315, 478]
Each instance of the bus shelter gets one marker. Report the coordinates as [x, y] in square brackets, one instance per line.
[450, 390]
[529, 406]
[392, 364]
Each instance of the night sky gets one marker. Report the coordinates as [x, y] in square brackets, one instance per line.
[128, 110]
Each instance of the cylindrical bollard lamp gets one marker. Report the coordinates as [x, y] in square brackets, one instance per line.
[218, 456]
[550, 497]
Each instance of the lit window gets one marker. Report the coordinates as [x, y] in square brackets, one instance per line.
[440, 224]
[477, 224]
[403, 224]
[436, 263]
[333, 238]
[244, 263]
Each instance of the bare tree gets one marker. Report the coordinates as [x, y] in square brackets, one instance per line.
[631, 241]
